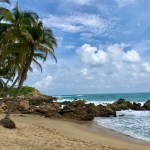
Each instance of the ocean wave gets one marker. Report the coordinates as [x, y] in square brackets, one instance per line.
[134, 113]
[128, 122]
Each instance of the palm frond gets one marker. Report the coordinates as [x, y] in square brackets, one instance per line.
[38, 65]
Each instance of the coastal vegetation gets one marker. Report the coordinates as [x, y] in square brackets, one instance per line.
[25, 90]
[23, 41]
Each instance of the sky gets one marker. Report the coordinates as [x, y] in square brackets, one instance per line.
[103, 46]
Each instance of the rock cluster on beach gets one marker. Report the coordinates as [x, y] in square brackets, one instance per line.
[48, 106]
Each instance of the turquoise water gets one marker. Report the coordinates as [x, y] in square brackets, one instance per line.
[133, 123]
[108, 98]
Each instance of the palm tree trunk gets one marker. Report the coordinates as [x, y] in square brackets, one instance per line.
[5, 97]
[23, 77]
[14, 99]
[4, 87]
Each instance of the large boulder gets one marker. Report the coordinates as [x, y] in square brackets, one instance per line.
[121, 104]
[77, 103]
[104, 111]
[23, 105]
[136, 106]
[3, 108]
[47, 108]
[147, 105]
[92, 109]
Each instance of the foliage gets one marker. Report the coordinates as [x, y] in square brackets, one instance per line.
[24, 91]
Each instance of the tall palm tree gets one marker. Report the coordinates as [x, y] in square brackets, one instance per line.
[33, 41]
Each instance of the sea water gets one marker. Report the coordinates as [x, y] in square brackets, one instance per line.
[133, 123]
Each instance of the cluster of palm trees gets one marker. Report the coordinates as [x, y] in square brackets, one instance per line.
[23, 40]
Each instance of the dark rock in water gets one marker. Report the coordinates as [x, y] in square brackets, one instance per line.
[107, 112]
[136, 106]
[146, 105]
[121, 104]
[121, 101]
[121, 115]
[65, 103]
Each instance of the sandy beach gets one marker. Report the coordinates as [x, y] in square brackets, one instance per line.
[38, 133]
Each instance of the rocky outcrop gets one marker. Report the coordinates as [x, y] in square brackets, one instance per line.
[120, 104]
[136, 106]
[147, 105]
[36, 98]
[37, 103]
[79, 110]
[23, 105]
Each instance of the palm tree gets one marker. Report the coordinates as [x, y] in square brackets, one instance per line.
[33, 41]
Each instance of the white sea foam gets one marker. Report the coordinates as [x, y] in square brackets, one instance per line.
[133, 123]
[78, 95]
[133, 113]
[100, 102]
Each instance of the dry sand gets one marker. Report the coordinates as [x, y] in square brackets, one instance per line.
[38, 133]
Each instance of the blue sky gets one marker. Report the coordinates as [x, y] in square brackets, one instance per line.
[103, 46]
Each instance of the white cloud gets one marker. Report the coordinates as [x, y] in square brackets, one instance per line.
[146, 67]
[132, 56]
[81, 2]
[84, 71]
[69, 46]
[116, 52]
[79, 22]
[123, 3]
[91, 55]
[44, 83]
[112, 54]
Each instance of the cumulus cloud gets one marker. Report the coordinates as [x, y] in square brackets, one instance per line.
[146, 67]
[132, 56]
[91, 55]
[79, 22]
[84, 71]
[81, 2]
[123, 3]
[44, 83]
[112, 53]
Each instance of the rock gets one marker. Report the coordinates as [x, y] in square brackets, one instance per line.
[3, 108]
[120, 101]
[121, 104]
[23, 105]
[136, 106]
[53, 115]
[107, 112]
[147, 105]
[92, 109]
[72, 115]
[77, 103]
[47, 108]
[87, 118]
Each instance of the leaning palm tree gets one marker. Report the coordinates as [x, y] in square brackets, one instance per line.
[35, 41]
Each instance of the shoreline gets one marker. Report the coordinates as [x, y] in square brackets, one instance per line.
[94, 127]
[79, 133]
